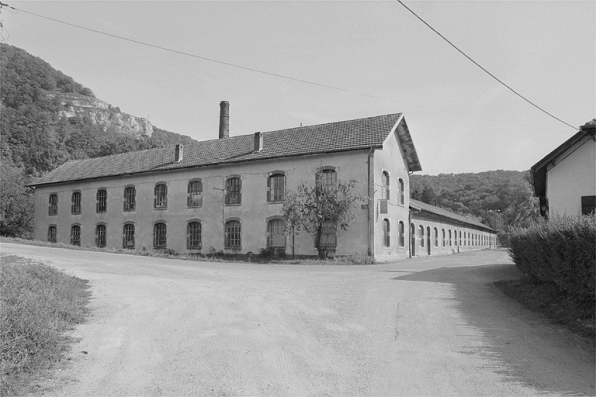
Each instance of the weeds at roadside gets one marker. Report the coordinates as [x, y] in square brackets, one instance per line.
[38, 305]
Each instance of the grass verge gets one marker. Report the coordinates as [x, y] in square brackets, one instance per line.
[559, 306]
[38, 305]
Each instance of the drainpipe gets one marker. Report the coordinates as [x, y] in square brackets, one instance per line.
[371, 204]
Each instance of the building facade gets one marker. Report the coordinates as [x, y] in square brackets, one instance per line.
[227, 194]
[565, 180]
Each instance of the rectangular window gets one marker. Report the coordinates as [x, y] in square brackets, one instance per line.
[100, 236]
[128, 238]
[75, 207]
[52, 234]
[75, 235]
[102, 200]
[159, 235]
[193, 235]
[276, 187]
[130, 198]
[53, 207]
[195, 194]
[276, 233]
[160, 199]
[233, 191]
[233, 236]
[588, 205]
[329, 235]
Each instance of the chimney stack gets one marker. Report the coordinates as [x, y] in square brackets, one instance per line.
[224, 120]
[178, 153]
[258, 142]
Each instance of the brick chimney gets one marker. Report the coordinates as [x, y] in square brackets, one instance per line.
[178, 153]
[224, 120]
[258, 142]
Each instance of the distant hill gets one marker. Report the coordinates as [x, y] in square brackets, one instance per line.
[500, 199]
[48, 118]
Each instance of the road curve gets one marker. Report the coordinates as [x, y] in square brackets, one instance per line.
[424, 326]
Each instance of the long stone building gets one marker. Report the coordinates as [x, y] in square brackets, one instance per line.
[227, 194]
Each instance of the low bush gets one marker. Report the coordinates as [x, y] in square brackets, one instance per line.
[561, 251]
[38, 304]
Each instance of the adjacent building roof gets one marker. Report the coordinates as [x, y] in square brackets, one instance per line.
[420, 206]
[317, 139]
[539, 169]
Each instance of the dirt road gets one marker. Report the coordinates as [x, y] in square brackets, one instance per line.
[427, 326]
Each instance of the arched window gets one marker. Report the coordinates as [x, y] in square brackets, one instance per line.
[130, 198]
[53, 204]
[102, 200]
[386, 193]
[276, 185]
[128, 236]
[195, 193]
[193, 235]
[233, 191]
[160, 235]
[75, 207]
[52, 232]
[75, 235]
[160, 197]
[436, 232]
[402, 234]
[328, 176]
[421, 236]
[100, 235]
[386, 233]
[443, 233]
[233, 235]
[402, 191]
[276, 233]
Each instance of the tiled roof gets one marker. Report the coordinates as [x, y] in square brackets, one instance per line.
[419, 205]
[324, 138]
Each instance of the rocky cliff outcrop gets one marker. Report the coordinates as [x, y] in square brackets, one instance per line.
[102, 113]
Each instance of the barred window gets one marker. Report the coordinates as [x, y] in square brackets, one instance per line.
[328, 177]
[276, 185]
[130, 198]
[328, 234]
[75, 235]
[75, 207]
[193, 235]
[52, 232]
[195, 194]
[53, 208]
[128, 236]
[233, 235]
[421, 236]
[160, 198]
[233, 190]
[102, 200]
[100, 235]
[276, 233]
[159, 235]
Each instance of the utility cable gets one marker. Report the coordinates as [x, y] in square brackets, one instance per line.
[269, 73]
[483, 69]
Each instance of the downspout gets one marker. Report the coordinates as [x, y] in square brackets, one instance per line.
[371, 204]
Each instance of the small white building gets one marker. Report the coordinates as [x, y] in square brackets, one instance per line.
[565, 180]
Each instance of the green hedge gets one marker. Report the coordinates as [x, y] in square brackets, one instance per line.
[561, 251]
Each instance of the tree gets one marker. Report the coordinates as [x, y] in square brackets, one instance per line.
[326, 204]
[16, 203]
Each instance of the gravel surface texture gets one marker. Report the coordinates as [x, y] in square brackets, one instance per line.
[420, 327]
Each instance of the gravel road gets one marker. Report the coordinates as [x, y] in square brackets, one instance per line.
[426, 326]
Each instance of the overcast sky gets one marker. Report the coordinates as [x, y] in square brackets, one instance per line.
[461, 120]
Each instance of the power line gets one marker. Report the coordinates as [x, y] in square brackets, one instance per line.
[272, 73]
[486, 71]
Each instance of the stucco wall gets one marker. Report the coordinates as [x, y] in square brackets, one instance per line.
[391, 160]
[253, 211]
[471, 239]
[572, 176]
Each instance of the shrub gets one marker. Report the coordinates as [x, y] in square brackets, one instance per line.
[561, 251]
